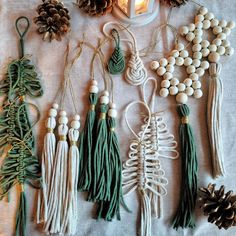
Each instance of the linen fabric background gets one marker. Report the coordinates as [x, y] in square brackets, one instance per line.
[49, 59]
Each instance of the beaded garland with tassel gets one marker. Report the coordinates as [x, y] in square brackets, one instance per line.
[20, 165]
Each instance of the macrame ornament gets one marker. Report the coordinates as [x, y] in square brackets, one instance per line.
[20, 165]
[53, 21]
[211, 51]
[219, 206]
[58, 201]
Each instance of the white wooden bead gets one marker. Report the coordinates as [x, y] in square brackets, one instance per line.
[212, 48]
[105, 93]
[182, 98]
[206, 24]
[197, 55]
[184, 54]
[164, 92]
[190, 36]
[203, 10]
[198, 32]
[197, 39]
[173, 90]
[168, 75]
[191, 27]
[62, 113]
[174, 81]
[179, 61]
[222, 23]
[170, 68]
[112, 113]
[209, 16]
[55, 106]
[222, 36]
[191, 69]
[194, 76]
[188, 61]
[189, 91]
[205, 43]
[181, 87]
[196, 47]
[154, 65]
[63, 120]
[214, 57]
[199, 17]
[200, 71]
[93, 89]
[188, 82]
[197, 93]
[175, 53]
[217, 30]
[77, 117]
[104, 99]
[53, 112]
[229, 51]
[165, 83]
[94, 82]
[205, 65]
[231, 24]
[179, 46]
[196, 62]
[171, 60]
[112, 105]
[221, 50]
[205, 52]
[225, 43]
[227, 31]
[161, 71]
[217, 42]
[163, 62]
[75, 124]
[198, 25]
[184, 30]
[214, 22]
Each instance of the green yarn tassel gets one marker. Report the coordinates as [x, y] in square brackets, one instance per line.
[21, 216]
[86, 147]
[184, 217]
[116, 63]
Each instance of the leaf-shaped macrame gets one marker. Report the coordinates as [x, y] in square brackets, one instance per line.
[116, 64]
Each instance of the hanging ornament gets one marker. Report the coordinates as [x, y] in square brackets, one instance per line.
[20, 165]
[53, 21]
[175, 3]
[95, 7]
[211, 51]
[219, 206]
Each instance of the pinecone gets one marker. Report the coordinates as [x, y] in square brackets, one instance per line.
[53, 20]
[96, 7]
[219, 206]
[175, 3]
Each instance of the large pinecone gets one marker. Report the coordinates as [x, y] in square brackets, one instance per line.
[219, 206]
[53, 20]
[96, 7]
[175, 3]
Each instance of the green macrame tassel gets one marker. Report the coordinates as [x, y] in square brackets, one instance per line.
[184, 217]
[86, 147]
[116, 64]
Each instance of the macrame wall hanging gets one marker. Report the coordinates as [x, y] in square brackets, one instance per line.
[20, 165]
[211, 51]
[58, 199]
[143, 171]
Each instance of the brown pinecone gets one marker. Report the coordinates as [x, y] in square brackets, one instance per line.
[175, 3]
[96, 7]
[53, 20]
[219, 206]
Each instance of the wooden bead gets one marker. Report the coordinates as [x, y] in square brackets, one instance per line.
[184, 53]
[209, 16]
[191, 69]
[205, 52]
[173, 90]
[165, 83]
[214, 57]
[188, 61]
[188, 82]
[189, 91]
[196, 62]
[197, 55]
[164, 92]
[205, 65]
[214, 22]
[75, 124]
[62, 113]
[163, 62]
[205, 43]
[154, 65]
[55, 106]
[104, 99]
[197, 93]
[198, 32]
[182, 98]
[221, 36]
[191, 27]
[199, 25]
[53, 112]
[175, 53]
[231, 24]
[194, 76]
[203, 10]
[184, 30]
[105, 93]
[171, 60]
[179, 46]
[206, 24]
[221, 50]
[225, 43]
[93, 89]
[199, 17]
[197, 47]
[229, 51]
[170, 68]
[197, 39]
[190, 36]
[63, 120]
[112, 105]
[212, 48]
[94, 82]
[227, 31]
[217, 42]
[200, 71]
[112, 113]
[168, 76]
[161, 71]
[217, 30]
[181, 87]
[174, 81]
[76, 117]
[179, 61]
[222, 23]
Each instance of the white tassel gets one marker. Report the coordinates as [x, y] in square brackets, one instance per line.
[146, 217]
[58, 189]
[48, 154]
[215, 97]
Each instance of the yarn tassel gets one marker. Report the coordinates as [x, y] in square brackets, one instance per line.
[215, 97]
[101, 168]
[86, 142]
[109, 209]
[48, 155]
[146, 222]
[184, 217]
[58, 198]
[21, 215]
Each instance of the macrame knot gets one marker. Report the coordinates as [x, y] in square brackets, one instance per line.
[50, 130]
[73, 143]
[184, 120]
[103, 116]
[112, 129]
[62, 137]
[214, 70]
[92, 107]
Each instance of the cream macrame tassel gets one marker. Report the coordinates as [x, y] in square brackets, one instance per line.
[48, 155]
[215, 97]
[57, 198]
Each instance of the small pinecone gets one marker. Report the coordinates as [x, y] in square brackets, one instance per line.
[219, 206]
[53, 20]
[175, 3]
[96, 7]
